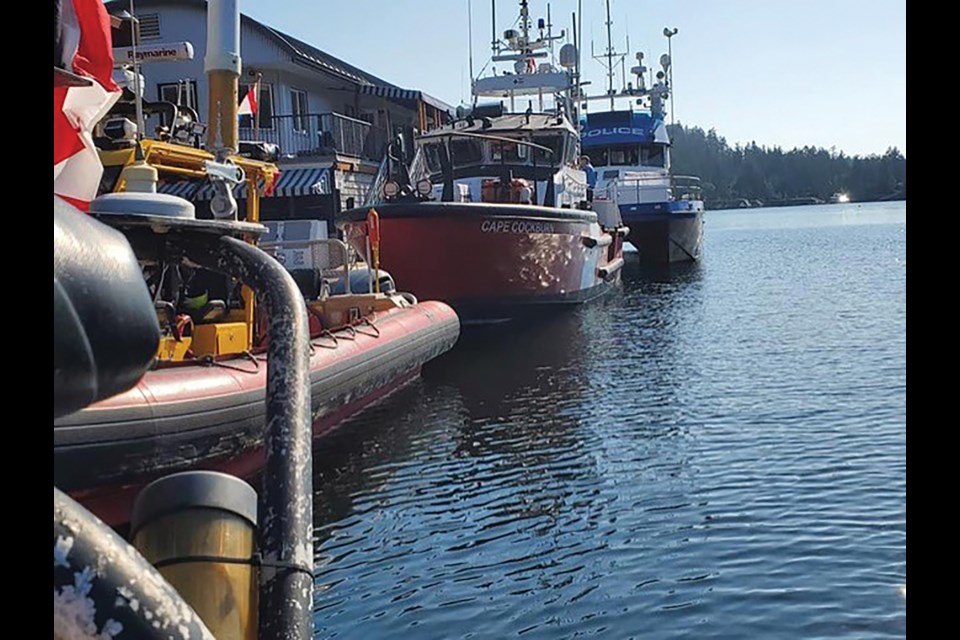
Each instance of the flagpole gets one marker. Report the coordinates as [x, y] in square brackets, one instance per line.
[256, 115]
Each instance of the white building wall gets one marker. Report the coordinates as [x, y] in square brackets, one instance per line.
[260, 53]
[326, 93]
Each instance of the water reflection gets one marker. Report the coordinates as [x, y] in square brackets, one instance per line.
[699, 454]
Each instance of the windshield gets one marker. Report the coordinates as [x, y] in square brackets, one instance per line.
[552, 142]
[507, 152]
[465, 152]
[431, 154]
[624, 155]
[652, 156]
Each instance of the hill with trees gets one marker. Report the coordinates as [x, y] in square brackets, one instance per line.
[761, 176]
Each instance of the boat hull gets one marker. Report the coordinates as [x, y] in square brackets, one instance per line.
[493, 262]
[212, 417]
[672, 234]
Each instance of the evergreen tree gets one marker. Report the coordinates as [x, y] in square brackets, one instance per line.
[774, 176]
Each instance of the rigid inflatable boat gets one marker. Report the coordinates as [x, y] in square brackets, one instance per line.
[210, 415]
[202, 406]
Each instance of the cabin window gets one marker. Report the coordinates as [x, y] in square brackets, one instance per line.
[509, 152]
[432, 153]
[572, 150]
[653, 156]
[264, 107]
[465, 152]
[555, 144]
[599, 156]
[624, 155]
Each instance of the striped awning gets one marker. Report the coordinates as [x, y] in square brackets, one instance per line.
[304, 182]
[292, 183]
[395, 93]
[405, 95]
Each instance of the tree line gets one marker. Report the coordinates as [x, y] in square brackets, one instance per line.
[754, 175]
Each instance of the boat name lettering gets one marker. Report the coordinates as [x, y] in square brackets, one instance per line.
[515, 226]
[626, 131]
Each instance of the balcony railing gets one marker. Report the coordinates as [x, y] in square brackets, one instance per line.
[320, 134]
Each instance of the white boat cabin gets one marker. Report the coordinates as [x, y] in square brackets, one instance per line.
[631, 154]
[521, 158]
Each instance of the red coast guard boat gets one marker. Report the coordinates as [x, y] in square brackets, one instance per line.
[492, 214]
[506, 232]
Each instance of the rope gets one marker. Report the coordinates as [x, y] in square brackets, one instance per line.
[255, 561]
[210, 361]
[325, 334]
[368, 322]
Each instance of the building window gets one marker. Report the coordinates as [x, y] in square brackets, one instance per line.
[183, 93]
[264, 105]
[150, 26]
[298, 102]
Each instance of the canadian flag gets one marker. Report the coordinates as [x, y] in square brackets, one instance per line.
[248, 107]
[82, 45]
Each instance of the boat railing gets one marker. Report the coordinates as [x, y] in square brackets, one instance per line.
[639, 186]
[686, 188]
[620, 189]
[330, 257]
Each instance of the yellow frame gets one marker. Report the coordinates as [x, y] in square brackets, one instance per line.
[188, 162]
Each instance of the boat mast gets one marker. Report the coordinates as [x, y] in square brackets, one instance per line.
[523, 50]
[470, 40]
[495, 42]
[222, 64]
[138, 101]
[611, 53]
[610, 72]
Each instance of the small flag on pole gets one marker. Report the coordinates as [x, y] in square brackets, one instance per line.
[248, 107]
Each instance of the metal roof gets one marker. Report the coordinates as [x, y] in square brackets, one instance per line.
[301, 52]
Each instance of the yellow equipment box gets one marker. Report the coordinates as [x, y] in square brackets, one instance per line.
[219, 339]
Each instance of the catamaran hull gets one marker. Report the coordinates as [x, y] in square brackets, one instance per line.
[493, 262]
[662, 238]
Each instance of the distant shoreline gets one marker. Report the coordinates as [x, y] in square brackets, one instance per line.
[775, 205]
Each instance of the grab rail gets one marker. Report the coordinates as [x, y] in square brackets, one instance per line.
[318, 263]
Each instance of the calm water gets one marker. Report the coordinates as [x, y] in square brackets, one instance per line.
[715, 451]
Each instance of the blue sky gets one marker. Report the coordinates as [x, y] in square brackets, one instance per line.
[828, 73]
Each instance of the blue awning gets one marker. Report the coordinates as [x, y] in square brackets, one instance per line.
[292, 183]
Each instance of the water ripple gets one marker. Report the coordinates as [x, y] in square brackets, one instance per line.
[717, 451]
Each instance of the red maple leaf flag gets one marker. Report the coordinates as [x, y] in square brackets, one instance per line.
[84, 35]
[248, 107]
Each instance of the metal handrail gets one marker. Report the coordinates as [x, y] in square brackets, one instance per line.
[484, 136]
[691, 190]
[272, 247]
[315, 133]
[677, 189]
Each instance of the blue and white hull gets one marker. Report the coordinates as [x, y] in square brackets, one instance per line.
[663, 232]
